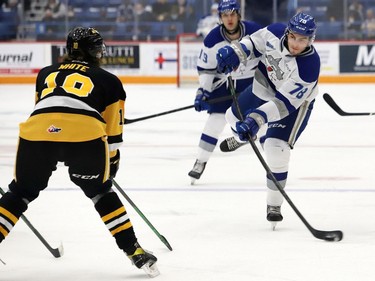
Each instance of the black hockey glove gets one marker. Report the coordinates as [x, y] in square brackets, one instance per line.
[114, 164]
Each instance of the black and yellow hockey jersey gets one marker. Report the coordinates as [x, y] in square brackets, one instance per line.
[76, 102]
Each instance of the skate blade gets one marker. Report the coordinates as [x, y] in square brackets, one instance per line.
[273, 225]
[192, 181]
[61, 249]
[151, 270]
[3, 262]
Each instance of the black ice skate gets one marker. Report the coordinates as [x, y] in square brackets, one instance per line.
[230, 144]
[197, 170]
[145, 260]
[274, 215]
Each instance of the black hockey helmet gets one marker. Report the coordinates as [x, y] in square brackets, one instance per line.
[85, 43]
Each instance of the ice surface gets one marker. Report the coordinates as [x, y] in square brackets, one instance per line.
[217, 228]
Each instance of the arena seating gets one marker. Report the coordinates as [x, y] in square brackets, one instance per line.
[103, 15]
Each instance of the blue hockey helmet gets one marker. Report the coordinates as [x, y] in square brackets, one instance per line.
[302, 24]
[226, 6]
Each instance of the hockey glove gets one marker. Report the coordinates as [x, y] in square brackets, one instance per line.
[200, 102]
[247, 128]
[114, 164]
[229, 57]
[227, 60]
[250, 126]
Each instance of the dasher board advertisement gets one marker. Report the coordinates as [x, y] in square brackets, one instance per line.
[357, 58]
[21, 59]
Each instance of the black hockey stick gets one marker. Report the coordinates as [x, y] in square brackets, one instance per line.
[129, 121]
[341, 112]
[56, 252]
[335, 235]
[161, 237]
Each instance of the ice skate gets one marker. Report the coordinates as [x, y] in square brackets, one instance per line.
[146, 261]
[230, 144]
[197, 171]
[274, 215]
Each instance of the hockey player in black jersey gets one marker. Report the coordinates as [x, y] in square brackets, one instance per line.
[77, 119]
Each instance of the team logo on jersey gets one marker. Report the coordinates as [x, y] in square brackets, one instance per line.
[274, 66]
[53, 129]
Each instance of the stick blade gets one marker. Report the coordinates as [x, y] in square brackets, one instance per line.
[166, 243]
[329, 100]
[58, 252]
[330, 236]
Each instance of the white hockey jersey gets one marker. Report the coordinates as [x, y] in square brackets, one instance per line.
[209, 78]
[283, 80]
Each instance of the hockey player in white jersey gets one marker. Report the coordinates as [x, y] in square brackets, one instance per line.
[282, 96]
[212, 84]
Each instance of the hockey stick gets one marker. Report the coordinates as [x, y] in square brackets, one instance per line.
[56, 252]
[220, 99]
[341, 112]
[129, 121]
[161, 237]
[335, 235]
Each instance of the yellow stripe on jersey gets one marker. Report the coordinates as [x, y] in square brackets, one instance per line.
[113, 214]
[114, 125]
[3, 231]
[107, 164]
[9, 215]
[62, 127]
[121, 228]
